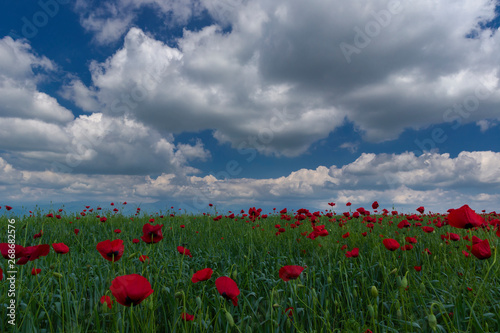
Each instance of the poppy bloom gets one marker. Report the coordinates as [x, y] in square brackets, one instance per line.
[77, 231]
[418, 268]
[187, 317]
[118, 231]
[107, 300]
[183, 250]
[130, 289]
[404, 224]
[464, 218]
[375, 205]
[481, 250]
[151, 233]
[202, 275]
[411, 240]
[228, 289]
[143, 258]
[345, 235]
[391, 244]
[60, 248]
[111, 250]
[348, 204]
[8, 207]
[103, 219]
[18, 251]
[421, 209]
[135, 240]
[31, 253]
[353, 254]
[38, 235]
[289, 311]
[36, 271]
[291, 272]
[428, 229]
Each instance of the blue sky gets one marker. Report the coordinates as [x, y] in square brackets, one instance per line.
[250, 103]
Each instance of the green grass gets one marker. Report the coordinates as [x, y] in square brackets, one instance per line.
[333, 294]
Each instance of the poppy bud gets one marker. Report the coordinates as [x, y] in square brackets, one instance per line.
[336, 303]
[374, 291]
[398, 281]
[235, 274]
[355, 293]
[229, 319]
[399, 314]
[329, 280]
[432, 321]
[59, 275]
[52, 266]
[394, 271]
[276, 305]
[132, 255]
[404, 282]
[166, 290]
[179, 294]
[422, 288]
[371, 311]
[150, 304]
[198, 301]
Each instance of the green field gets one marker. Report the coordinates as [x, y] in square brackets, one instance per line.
[379, 290]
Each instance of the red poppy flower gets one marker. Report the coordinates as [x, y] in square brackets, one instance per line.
[8, 207]
[202, 275]
[464, 218]
[118, 231]
[187, 317]
[130, 289]
[36, 271]
[454, 237]
[481, 250]
[411, 240]
[348, 204]
[77, 231]
[421, 209]
[135, 240]
[375, 205]
[428, 229]
[289, 311]
[352, 254]
[107, 300]
[498, 232]
[404, 224]
[290, 272]
[103, 219]
[364, 234]
[111, 250]
[1, 270]
[391, 244]
[418, 268]
[151, 233]
[143, 258]
[345, 235]
[183, 250]
[228, 289]
[38, 235]
[18, 250]
[465, 253]
[60, 248]
[31, 253]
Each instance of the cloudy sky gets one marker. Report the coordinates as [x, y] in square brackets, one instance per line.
[282, 103]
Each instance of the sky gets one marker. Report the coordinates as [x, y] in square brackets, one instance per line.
[241, 103]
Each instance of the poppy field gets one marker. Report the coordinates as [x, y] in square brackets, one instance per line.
[344, 269]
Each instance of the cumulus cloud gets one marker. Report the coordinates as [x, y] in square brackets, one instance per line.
[416, 180]
[285, 59]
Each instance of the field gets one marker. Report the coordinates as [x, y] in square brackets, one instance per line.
[370, 273]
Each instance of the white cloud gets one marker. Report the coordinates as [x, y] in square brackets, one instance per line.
[420, 69]
[419, 180]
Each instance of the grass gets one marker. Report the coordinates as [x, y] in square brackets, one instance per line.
[333, 293]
